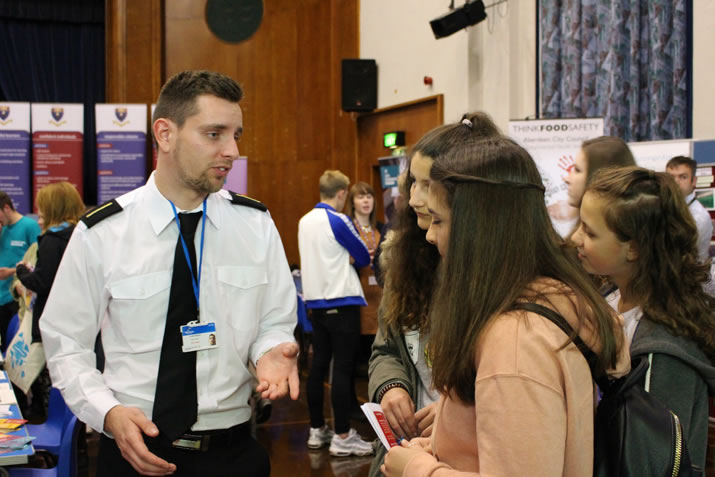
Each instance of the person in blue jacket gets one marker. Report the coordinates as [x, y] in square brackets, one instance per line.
[329, 246]
[18, 233]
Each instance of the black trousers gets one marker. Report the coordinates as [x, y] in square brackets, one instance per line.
[235, 455]
[336, 335]
[7, 311]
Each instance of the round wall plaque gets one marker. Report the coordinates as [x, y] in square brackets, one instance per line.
[234, 20]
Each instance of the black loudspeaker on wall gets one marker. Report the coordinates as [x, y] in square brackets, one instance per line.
[359, 85]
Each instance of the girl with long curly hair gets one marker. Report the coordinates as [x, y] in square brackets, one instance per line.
[400, 371]
[517, 396]
[636, 230]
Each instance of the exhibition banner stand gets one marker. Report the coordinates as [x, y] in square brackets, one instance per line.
[121, 149]
[237, 178]
[57, 141]
[656, 154]
[554, 144]
[390, 168]
[15, 154]
[153, 145]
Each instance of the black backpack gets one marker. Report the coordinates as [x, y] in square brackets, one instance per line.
[634, 434]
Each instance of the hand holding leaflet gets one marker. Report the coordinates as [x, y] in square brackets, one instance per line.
[378, 421]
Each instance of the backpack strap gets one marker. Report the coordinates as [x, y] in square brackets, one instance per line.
[561, 322]
[647, 374]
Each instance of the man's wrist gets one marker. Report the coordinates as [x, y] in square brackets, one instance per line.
[263, 354]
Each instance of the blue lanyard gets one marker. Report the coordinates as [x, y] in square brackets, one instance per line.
[186, 251]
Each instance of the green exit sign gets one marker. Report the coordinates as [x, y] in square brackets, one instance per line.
[393, 139]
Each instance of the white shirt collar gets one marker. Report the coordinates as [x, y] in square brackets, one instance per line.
[159, 209]
[689, 197]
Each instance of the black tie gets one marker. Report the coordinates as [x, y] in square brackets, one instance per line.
[175, 402]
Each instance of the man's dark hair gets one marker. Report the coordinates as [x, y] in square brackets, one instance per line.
[6, 200]
[683, 161]
[177, 99]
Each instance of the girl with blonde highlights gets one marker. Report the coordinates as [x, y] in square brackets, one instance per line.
[60, 207]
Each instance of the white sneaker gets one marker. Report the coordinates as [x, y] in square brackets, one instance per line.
[319, 437]
[351, 445]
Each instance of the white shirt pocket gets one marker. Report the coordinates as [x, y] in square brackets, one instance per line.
[241, 290]
[137, 311]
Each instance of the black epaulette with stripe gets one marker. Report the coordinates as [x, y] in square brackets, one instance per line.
[239, 199]
[101, 212]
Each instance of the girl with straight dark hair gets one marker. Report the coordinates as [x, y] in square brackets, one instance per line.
[400, 370]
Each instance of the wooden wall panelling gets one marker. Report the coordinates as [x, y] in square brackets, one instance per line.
[134, 50]
[415, 118]
[290, 72]
[134, 54]
[115, 50]
[345, 39]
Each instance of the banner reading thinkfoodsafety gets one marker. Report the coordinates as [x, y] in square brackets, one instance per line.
[121, 149]
[15, 154]
[554, 143]
[57, 140]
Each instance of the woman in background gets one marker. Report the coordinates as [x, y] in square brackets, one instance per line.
[595, 154]
[517, 397]
[59, 206]
[637, 231]
[360, 207]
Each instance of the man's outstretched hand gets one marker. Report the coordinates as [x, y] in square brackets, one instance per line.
[277, 372]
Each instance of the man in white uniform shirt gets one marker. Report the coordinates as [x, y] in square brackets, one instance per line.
[682, 169]
[119, 274]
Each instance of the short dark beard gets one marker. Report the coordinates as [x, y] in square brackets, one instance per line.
[202, 184]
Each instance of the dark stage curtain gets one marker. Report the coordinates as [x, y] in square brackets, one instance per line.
[53, 51]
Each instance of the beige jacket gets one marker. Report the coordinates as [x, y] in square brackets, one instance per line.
[534, 403]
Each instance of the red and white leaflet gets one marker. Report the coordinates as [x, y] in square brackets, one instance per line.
[378, 421]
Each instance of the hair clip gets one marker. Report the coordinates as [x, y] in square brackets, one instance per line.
[468, 123]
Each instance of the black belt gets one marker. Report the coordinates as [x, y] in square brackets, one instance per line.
[203, 441]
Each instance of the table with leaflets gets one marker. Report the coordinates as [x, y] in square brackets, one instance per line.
[9, 410]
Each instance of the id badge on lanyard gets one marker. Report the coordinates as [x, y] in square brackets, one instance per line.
[197, 336]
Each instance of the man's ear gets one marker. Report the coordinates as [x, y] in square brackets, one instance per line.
[163, 131]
